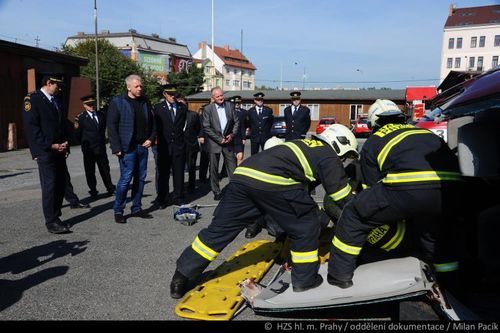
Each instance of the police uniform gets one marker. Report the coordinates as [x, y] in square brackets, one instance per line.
[242, 115]
[297, 119]
[260, 121]
[171, 151]
[90, 129]
[274, 182]
[411, 177]
[45, 125]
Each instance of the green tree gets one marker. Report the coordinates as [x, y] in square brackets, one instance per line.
[114, 67]
[188, 83]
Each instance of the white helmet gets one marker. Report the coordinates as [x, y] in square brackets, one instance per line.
[341, 139]
[382, 107]
[271, 142]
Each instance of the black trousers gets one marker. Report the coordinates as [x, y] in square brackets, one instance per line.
[90, 159]
[204, 163]
[191, 156]
[256, 146]
[293, 210]
[432, 212]
[170, 159]
[53, 171]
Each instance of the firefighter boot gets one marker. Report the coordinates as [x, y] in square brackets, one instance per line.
[178, 285]
[339, 283]
[317, 282]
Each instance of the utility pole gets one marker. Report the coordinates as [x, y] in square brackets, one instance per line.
[96, 59]
[212, 79]
[36, 41]
[304, 79]
[241, 69]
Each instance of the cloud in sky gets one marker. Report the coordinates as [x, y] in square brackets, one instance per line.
[328, 39]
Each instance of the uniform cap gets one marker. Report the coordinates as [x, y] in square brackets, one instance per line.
[53, 78]
[88, 99]
[170, 89]
[295, 94]
[259, 95]
[236, 99]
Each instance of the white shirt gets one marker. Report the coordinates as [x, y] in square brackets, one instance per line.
[221, 111]
[49, 97]
[92, 117]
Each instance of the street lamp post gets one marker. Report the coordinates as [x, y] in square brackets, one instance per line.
[96, 58]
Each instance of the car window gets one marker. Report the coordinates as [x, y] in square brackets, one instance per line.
[327, 121]
[363, 121]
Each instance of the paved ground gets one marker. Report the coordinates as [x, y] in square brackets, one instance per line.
[102, 270]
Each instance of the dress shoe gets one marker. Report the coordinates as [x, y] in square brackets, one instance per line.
[142, 214]
[339, 283]
[178, 285]
[93, 194]
[120, 219]
[57, 228]
[217, 196]
[253, 231]
[79, 205]
[316, 283]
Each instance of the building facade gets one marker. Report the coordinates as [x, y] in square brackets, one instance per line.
[226, 68]
[471, 39]
[159, 55]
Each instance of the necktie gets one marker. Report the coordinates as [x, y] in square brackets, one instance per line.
[172, 106]
[94, 117]
[53, 102]
[294, 110]
[260, 111]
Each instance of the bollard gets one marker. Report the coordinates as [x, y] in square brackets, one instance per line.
[12, 139]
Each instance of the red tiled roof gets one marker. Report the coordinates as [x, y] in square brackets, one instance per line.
[474, 15]
[233, 58]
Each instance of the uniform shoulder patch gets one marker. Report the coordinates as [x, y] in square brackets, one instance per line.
[27, 103]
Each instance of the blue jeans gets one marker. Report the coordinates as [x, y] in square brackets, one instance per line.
[132, 164]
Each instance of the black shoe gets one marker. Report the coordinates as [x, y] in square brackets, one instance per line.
[93, 194]
[110, 191]
[142, 214]
[57, 228]
[253, 231]
[316, 283]
[341, 284]
[218, 196]
[120, 219]
[191, 190]
[178, 285]
[79, 205]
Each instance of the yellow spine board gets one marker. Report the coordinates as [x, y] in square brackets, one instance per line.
[219, 297]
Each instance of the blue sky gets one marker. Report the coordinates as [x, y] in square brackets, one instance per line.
[338, 43]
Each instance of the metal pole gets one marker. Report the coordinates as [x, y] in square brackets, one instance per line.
[304, 79]
[213, 45]
[281, 77]
[96, 59]
[241, 70]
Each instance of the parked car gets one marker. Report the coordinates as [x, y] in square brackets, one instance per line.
[324, 123]
[279, 127]
[360, 127]
[432, 121]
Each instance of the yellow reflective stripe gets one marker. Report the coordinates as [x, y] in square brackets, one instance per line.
[397, 238]
[304, 257]
[264, 177]
[382, 156]
[421, 176]
[302, 159]
[203, 250]
[354, 250]
[364, 186]
[446, 267]
[339, 195]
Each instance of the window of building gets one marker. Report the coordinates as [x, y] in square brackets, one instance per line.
[314, 111]
[451, 43]
[355, 110]
[472, 62]
[479, 63]
[497, 40]
[473, 42]
[236, 83]
[282, 109]
[228, 82]
[457, 62]
[247, 84]
[459, 42]
[449, 62]
[494, 62]
[246, 106]
[482, 41]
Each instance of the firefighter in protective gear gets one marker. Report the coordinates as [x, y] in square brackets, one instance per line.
[274, 182]
[411, 175]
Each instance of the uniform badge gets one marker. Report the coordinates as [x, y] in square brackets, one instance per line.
[27, 104]
[76, 124]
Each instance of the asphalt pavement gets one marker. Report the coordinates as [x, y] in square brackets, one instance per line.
[102, 270]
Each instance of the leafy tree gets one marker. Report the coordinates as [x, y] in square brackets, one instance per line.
[114, 67]
[188, 83]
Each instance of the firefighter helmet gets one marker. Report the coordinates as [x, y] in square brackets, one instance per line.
[271, 142]
[382, 107]
[341, 139]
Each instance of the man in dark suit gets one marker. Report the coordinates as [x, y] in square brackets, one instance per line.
[260, 121]
[191, 145]
[221, 126]
[131, 131]
[170, 118]
[297, 118]
[239, 140]
[47, 135]
[90, 128]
